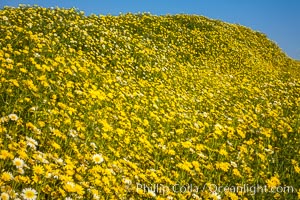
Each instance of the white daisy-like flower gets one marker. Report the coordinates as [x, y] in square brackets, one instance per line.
[59, 161]
[13, 117]
[216, 195]
[96, 197]
[73, 133]
[8, 60]
[202, 155]
[29, 194]
[37, 55]
[37, 130]
[97, 158]
[79, 92]
[3, 119]
[195, 196]
[71, 184]
[4, 196]
[270, 151]
[31, 142]
[8, 137]
[127, 181]
[229, 143]
[68, 198]
[152, 193]
[20, 171]
[32, 109]
[233, 164]
[219, 126]
[18, 162]
[205, 114]
[48, 175]
[93, 145]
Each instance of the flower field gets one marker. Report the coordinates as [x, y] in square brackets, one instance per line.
[103, 107]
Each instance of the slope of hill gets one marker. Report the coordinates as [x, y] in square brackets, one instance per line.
[112, 107]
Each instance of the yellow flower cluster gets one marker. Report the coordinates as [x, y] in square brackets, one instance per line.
[92, 106]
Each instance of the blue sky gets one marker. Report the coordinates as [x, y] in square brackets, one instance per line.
[278, 19]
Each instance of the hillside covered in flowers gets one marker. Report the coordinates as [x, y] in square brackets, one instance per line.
[110, 107]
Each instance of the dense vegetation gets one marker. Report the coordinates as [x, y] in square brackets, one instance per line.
[93, 107]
